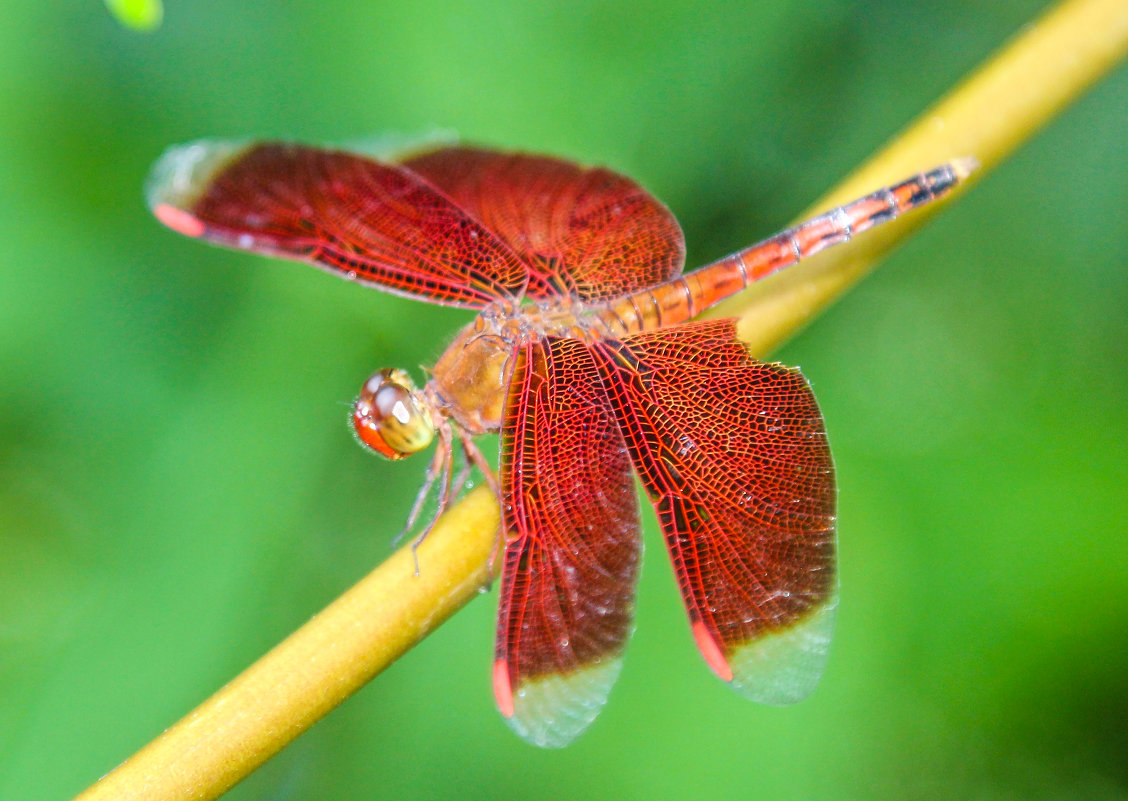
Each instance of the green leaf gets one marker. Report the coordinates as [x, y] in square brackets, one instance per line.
[141, 15]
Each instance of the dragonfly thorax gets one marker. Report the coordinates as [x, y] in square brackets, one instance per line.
[391, 416]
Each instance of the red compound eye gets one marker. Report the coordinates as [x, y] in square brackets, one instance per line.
[390, 416]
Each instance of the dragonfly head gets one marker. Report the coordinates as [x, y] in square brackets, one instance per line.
[391, 417]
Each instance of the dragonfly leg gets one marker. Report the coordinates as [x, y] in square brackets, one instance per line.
[434, 470]
[439, 468]
[440, 507]
[474, 456]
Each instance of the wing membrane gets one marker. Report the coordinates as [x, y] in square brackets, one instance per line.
[572, 550]
[734, 457]
[591, 233]
[373, 222]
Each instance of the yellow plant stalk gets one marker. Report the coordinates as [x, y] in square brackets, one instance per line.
[365, 630]
[995, 110]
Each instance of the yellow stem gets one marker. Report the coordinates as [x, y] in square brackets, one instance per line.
[383, 616]
[315, 668]
[1000, 106]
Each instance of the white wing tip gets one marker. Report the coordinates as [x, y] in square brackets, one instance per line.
[551, 711]
[183, 171]
[784, 667]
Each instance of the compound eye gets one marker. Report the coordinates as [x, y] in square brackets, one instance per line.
[390, 416]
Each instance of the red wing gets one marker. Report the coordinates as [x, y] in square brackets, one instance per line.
[734, 457]
[572, 549]
[372, 222]
[586, 232]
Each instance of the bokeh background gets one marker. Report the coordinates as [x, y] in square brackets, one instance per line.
[178, 489]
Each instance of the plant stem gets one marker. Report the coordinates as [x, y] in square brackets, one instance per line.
[277, 698]
[317, 667]
[994, 111]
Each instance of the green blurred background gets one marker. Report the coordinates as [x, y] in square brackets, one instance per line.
[178, 489]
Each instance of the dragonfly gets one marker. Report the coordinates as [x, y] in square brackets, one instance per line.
[586, 360]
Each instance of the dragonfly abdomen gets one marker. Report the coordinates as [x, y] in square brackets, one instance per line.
[686, 296]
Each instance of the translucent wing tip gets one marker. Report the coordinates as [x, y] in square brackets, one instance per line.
[551, 711]
[181, 174]
[784, 666]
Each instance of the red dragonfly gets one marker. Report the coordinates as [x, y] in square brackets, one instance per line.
[584, 358]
